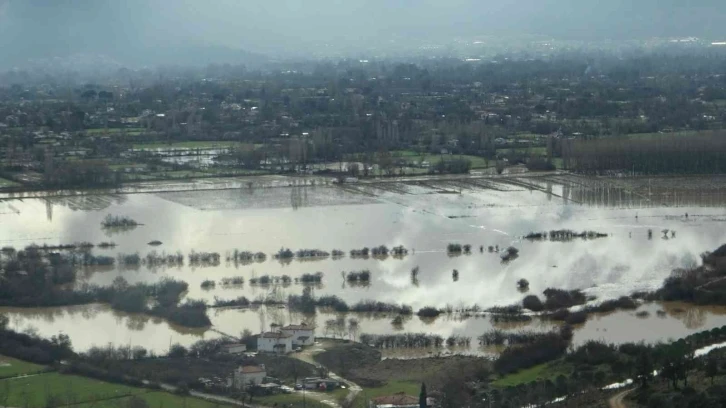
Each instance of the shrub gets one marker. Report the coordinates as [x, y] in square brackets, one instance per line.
[428, 312]
[558, 298]
[533, 303]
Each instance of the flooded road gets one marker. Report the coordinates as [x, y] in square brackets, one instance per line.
[423, 214]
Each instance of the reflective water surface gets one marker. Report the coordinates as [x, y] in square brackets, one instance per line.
[423, 214]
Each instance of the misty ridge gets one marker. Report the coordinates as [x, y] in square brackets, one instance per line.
[138, 33]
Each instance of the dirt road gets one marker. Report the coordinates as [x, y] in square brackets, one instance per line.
[307, 356]
[617, 400]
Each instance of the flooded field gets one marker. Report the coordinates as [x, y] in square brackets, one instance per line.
[110, 327]
[423, 214]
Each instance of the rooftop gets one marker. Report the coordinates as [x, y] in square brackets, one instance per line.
[302, 326]
[252, 369]
[229, 346]
[398, 399]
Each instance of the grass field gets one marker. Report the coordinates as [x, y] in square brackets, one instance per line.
[293, 400]
[542, 371]
[187, 145]
[540, 151]
[156, 400]
[10, 367]
[37, 392]
[411, 156]
[7, 183]
[129, 131]
[393, 387]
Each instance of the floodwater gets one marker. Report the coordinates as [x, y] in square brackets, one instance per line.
[423, 214]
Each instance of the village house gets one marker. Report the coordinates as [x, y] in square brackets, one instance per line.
[275, 342]
[302, 334]
[248, 376]
[234, 348]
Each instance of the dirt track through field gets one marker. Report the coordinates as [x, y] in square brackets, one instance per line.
[617, 400]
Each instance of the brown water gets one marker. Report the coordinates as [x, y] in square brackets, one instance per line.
[423, 214]
[98, 325]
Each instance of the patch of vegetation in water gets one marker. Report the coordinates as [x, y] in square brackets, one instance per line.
[118, 221]
[563, 235]
[204, 258]
[456, 249]
[247, 256]
[307, 303]
[360, 277]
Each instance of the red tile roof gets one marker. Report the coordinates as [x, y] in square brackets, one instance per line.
[398, 399]
[299, 327]
[252, 369]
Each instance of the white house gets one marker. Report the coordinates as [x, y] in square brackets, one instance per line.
[248, 375]
[302, 334]
[274, 342]
[234, 348]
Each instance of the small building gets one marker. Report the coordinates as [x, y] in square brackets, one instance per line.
[302, 334]
[248, 376]
[275, 342]
[234, 348]
[394, 401]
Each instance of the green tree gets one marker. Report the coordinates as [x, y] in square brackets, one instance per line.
[711, 367]
[644, 368]
[422, 397]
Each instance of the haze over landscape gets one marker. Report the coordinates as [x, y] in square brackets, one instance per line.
[151, 32]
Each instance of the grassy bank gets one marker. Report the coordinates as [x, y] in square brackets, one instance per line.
[547, 371]
[11, 367]
[7, 183]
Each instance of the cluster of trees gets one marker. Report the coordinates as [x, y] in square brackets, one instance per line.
[701, 284]
[406, 340]
[247, 256]
[85, 173]
[669, 154]
[501, 338]
[563, 235]
[541, 350]
[204, 258]
[32, 278]
[455, 248]
[358, 277]
[307, 303]
[118, 221]
[33, 348]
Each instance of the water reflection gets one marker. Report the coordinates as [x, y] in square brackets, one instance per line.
[423, 215]
[91, 325]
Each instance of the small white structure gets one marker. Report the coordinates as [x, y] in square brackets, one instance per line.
[274, 342]
[249, 375]
[234, 348]
[302, 334]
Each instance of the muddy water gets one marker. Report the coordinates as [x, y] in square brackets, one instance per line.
[423, 214]
[98, 325]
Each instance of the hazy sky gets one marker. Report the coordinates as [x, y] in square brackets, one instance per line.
[39, 27]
